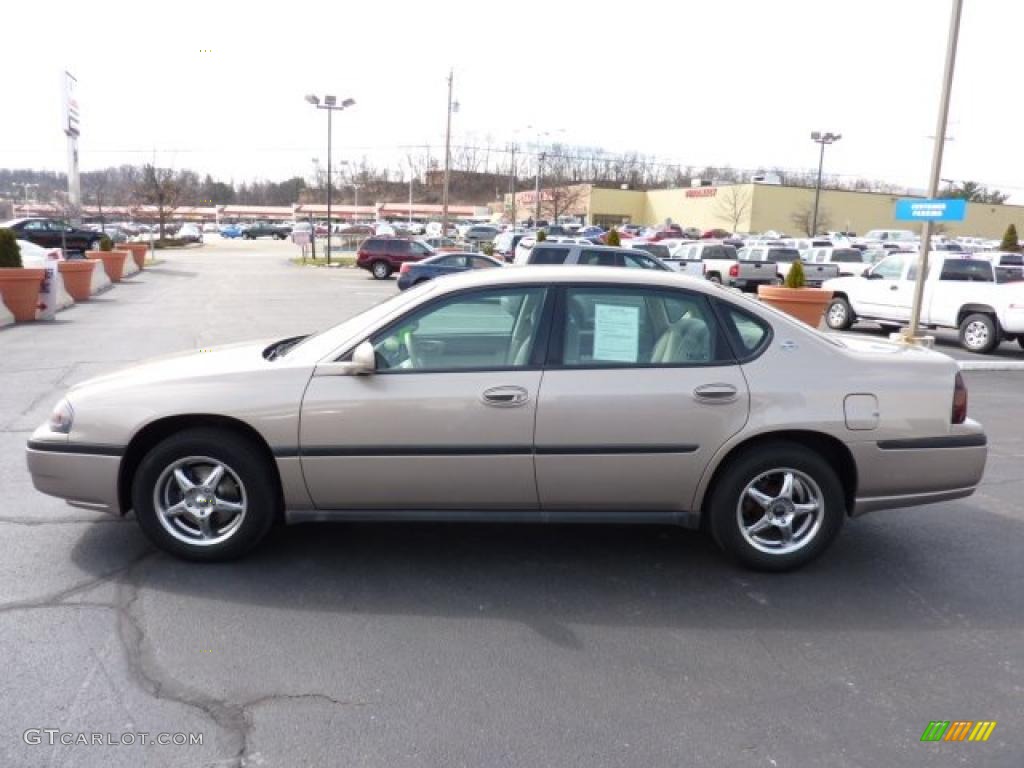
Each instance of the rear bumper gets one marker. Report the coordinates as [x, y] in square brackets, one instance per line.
[82, 478]
[905, 473]
[747, 285]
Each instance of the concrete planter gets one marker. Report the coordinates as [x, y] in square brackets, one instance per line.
[19, 290]
[100, 281]
[113, 262]
[805, 304]
[77, 276]
[139, 251]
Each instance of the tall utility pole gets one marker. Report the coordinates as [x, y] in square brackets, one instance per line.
[331, 105]
[822, 139]
[512, 185]
[536, 189]
[410, 195]
[934, 180]
[71, 130]
[447, 158]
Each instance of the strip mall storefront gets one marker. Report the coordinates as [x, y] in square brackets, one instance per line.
[748, 208]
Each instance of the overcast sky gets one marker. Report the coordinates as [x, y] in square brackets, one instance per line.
[737, 82]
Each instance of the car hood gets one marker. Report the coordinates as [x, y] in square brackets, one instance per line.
[212, 361]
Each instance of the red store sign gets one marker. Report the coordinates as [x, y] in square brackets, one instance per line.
[702, 192]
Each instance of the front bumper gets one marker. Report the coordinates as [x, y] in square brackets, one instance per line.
[906, 473]
[83, 475]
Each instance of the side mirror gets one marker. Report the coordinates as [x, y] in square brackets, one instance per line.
[364, 359]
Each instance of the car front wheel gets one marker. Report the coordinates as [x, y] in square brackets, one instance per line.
[381, 270]
[776, 507]
[839, 315]
[205, 495]
[978, 333]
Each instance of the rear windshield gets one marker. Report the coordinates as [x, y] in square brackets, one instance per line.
[545, 255]
[847, 255]
[966, 270]
[1011, 260]
[784, 255]
[661, 251]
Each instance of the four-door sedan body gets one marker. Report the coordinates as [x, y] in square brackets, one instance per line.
[414, 273]
[50, 233]
[568, 394]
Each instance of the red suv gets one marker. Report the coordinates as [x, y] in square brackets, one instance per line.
[384, 255]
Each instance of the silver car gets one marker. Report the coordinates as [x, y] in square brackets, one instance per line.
[564, 394]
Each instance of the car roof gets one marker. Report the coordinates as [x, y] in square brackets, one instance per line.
[554, 274]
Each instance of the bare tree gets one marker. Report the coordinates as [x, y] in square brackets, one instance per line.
[96, 186]
[734, 205]
[160, 187]
[803, 218]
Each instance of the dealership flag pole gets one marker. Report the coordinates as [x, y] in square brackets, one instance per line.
[910, 335]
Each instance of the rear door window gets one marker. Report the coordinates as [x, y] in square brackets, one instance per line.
[546, 256]
[966, 270]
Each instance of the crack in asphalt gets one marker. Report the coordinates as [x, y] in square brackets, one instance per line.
[234, 717]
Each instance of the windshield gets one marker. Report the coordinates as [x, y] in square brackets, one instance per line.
[326, 340]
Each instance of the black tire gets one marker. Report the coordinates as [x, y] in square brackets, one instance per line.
[979, 333]
[241, 458]
[723, 507]
[839, 316]
[715, 278]
[380, 270]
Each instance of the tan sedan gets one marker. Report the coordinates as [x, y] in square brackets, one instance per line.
[557, 394]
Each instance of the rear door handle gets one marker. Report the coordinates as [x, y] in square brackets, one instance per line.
[715, 393]
[894, 287]
[505, 397]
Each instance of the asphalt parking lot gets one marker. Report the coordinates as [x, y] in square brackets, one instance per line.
[455, 645]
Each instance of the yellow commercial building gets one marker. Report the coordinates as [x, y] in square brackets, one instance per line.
[751, 208]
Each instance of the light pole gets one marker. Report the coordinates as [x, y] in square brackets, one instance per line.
[453, 106]
[331, 105]
[911, 334]
[540, 165]
[822, 139]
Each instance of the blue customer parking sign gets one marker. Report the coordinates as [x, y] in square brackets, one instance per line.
[913, 209]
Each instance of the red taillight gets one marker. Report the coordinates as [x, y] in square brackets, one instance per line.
[405, 268]
[734, 270]
[959, 400]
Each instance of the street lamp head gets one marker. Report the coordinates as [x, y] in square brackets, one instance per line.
[816, 136]
[312, 99]
[348, 103]
[330, 101]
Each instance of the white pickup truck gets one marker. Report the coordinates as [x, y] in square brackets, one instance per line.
[784, 256]
[722, 265]
[960, 292]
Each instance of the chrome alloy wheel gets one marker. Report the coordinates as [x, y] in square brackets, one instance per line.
[976, 334]
[200, 501]
[836, 315]
[780, 511]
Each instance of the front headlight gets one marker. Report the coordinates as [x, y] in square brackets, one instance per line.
[61, 418]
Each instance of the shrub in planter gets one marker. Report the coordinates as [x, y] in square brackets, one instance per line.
[613, 237]
[19, 287]
[1010, 241]
[796, 278]
[541, 236]
[487, 249]
[795, 298]
[106, 244]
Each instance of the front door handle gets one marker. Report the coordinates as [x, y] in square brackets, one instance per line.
[894, 287]
[505, 397]
[714, 394]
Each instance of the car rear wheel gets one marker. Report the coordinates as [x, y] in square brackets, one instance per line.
[839, 315]
[205, 495]
[776, 507]
[978, 333]
[381, 270]
[715, 278]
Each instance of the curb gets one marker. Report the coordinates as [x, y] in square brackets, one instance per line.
[984, 365]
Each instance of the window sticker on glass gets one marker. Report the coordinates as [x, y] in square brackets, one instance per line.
[616, 333]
